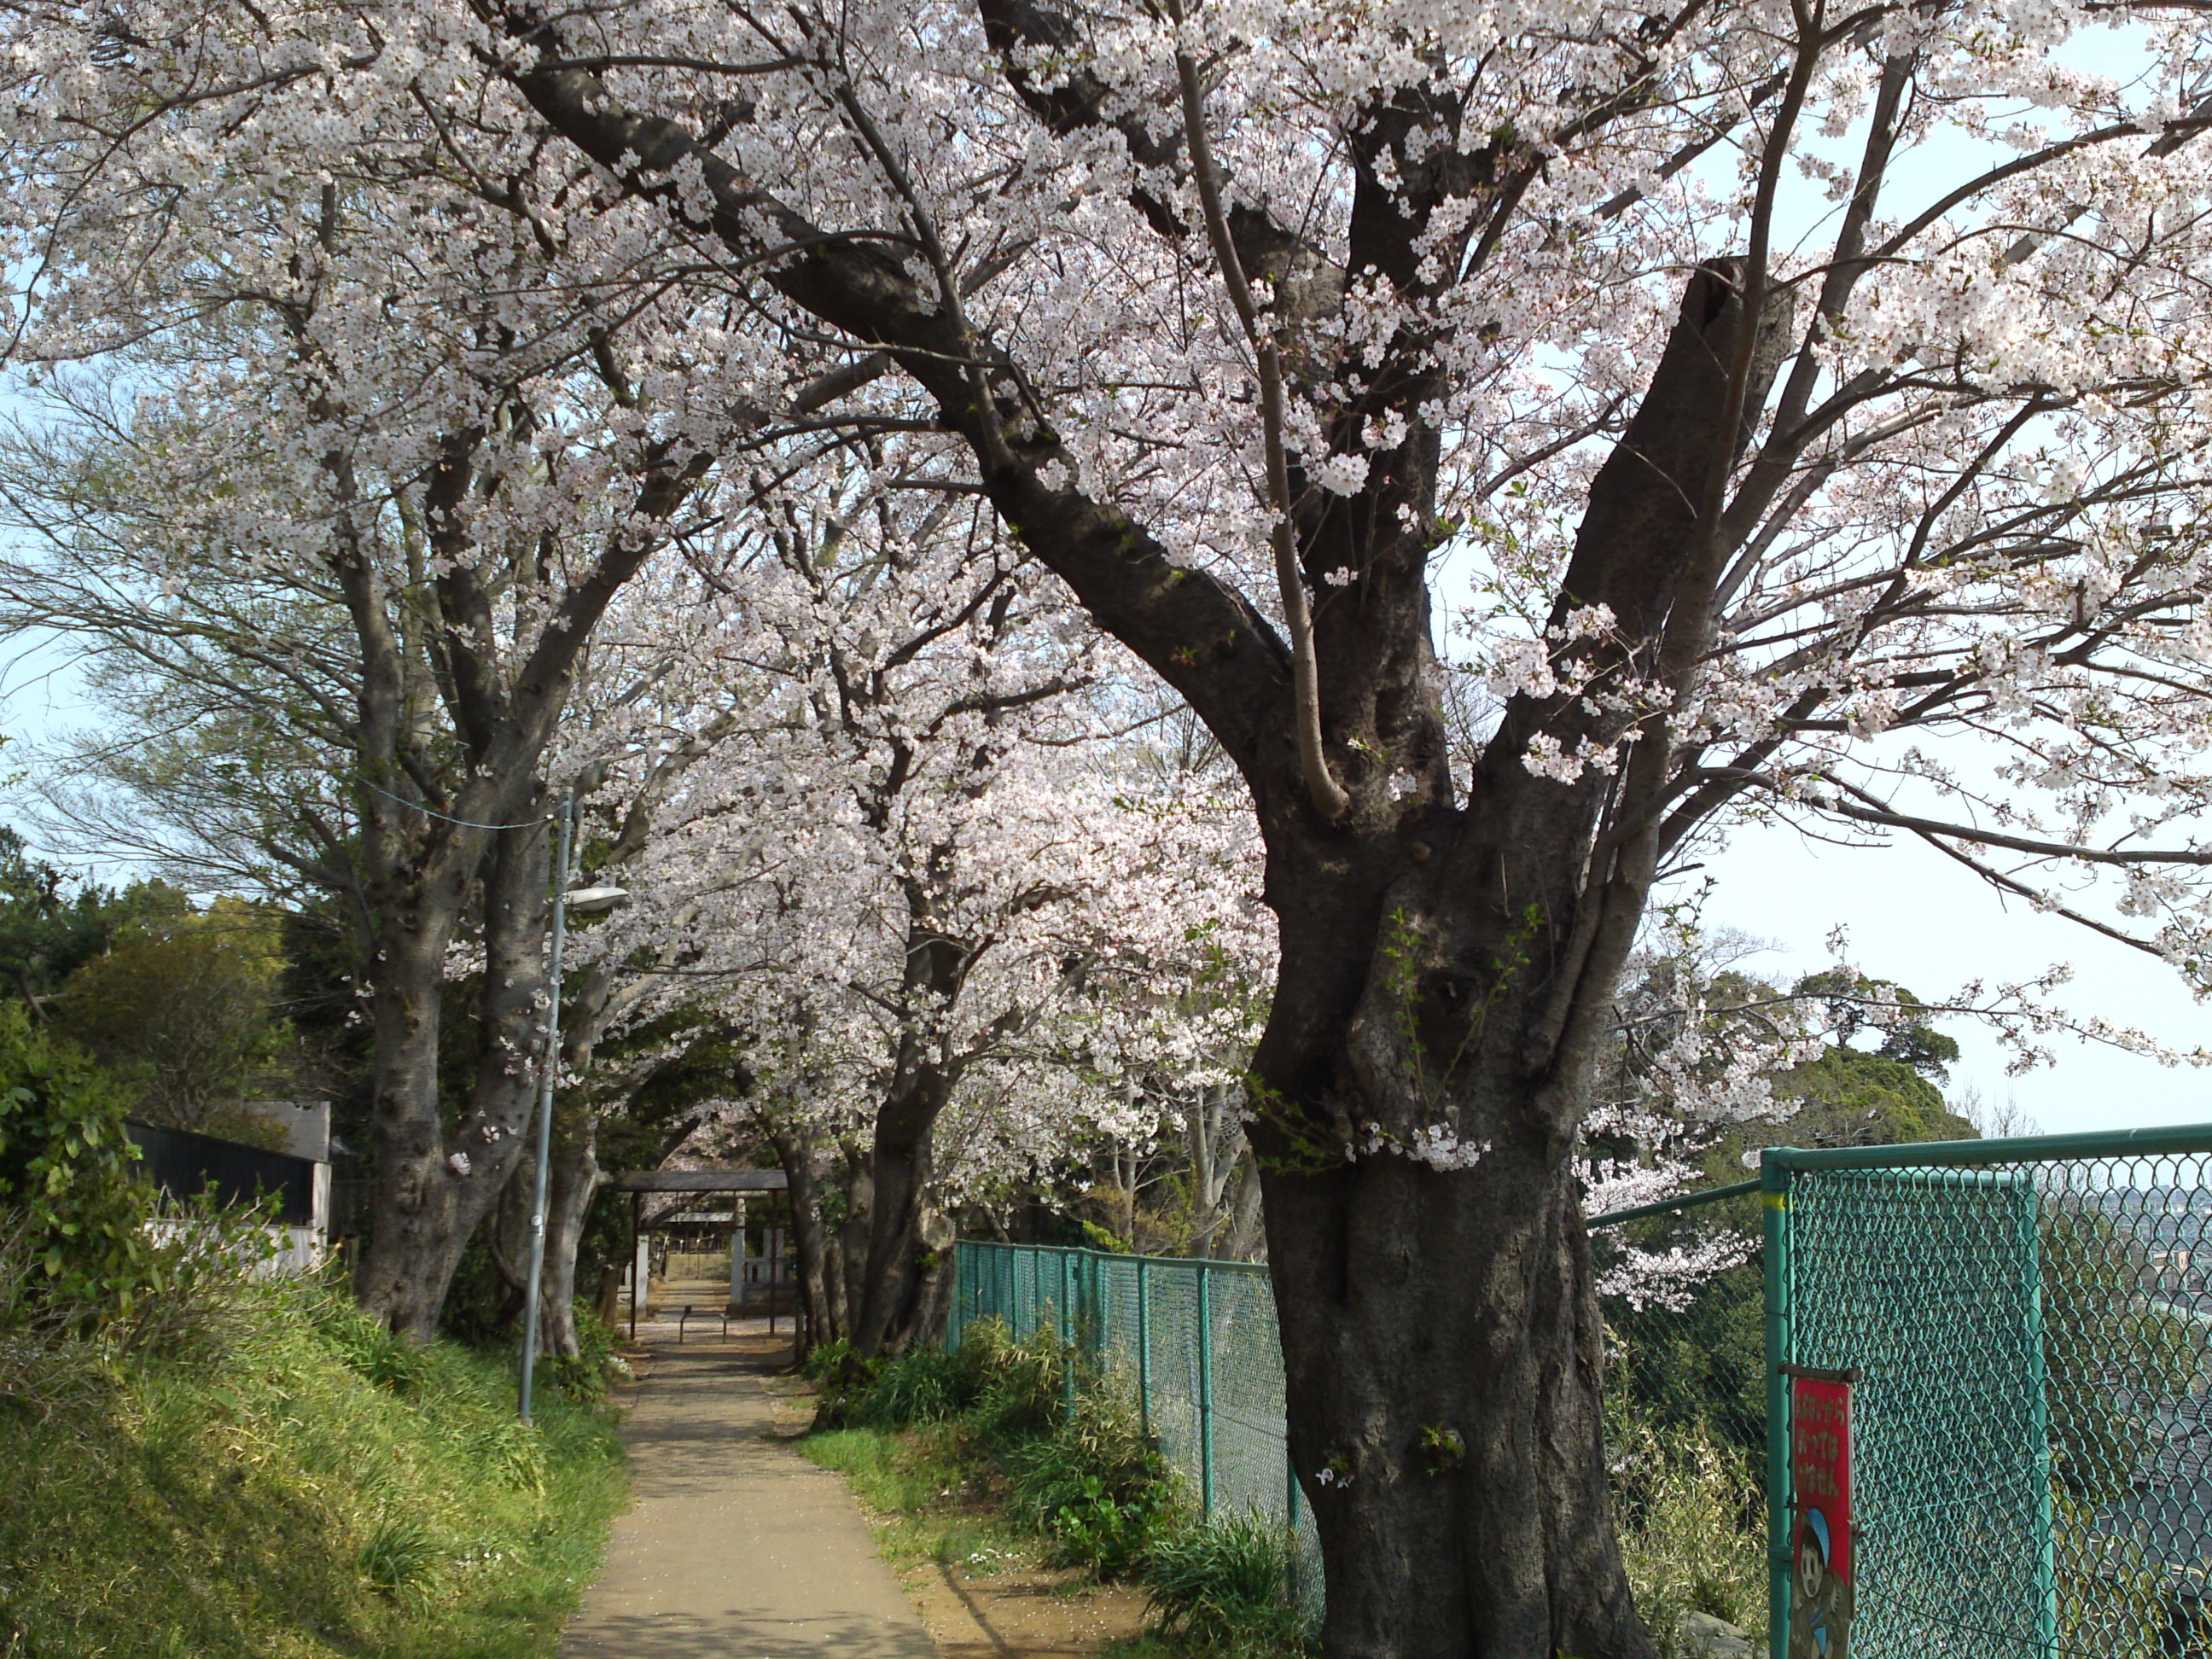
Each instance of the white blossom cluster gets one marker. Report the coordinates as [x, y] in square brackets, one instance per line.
[325, 244]
[890, 830]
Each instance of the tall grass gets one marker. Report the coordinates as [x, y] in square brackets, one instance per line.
[1692, 1527]
[1226, 1589]
[277, 1476]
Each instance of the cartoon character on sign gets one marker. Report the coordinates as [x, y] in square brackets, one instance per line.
[1820, 1612]
[1822, 1569]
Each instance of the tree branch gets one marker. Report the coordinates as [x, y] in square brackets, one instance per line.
[1328, 797]
[1201, 635]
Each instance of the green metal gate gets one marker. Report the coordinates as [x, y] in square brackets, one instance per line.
[2029, 1325]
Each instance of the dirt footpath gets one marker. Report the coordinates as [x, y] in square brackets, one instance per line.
[736, 1546]
[1022, 1614]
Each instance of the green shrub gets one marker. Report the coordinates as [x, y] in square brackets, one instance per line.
[1692, 1527]
[1226, 1587]
[832, 1368]
[993, 1418]
[1100, 1533]
[1007, 1391]
[1022, 1393]
[1094, 1487]
[367, 1344]
[69, 1169]
[483, 1309]
[927, 1386]
[827, 1361]
[1089, 1484]
[596, 1365]
[46, 1363]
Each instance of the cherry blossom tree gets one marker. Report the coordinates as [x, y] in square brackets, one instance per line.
[1812, 450]
[1814, 394]
[1186, 1037]
[353, 483]
[875, 812]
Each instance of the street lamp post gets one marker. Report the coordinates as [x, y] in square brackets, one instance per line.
[585, 901]
[546, 1073]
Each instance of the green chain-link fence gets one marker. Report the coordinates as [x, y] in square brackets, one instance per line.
[2027, 1324]
[2028, 1327]
[1193, 1340]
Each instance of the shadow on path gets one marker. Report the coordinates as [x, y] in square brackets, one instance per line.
[745, 1633]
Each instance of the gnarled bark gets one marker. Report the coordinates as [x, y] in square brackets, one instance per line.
[432, 1190]
[898, 1291]
[1446, 969]
[804, 1162]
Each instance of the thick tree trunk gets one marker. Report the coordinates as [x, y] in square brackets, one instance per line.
[506, 1234]
[1445, 978]
[606, 1304]
[432, 1189]
[1440, 1328]
[1443, 1343]
[901, 1293]
[1247, 1236]
[575, 1183]
[933, 1304]
[405, 1264]
[897, 1292]
[800, 1159]
[850, 1260]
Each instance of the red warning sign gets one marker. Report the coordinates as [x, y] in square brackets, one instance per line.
[1820, 1539]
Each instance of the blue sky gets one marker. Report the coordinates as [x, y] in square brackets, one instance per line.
[1915, 917]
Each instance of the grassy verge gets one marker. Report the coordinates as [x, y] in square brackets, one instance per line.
[277, 1478]
[926, 1494]
[1693, 1528]
[975, 1457]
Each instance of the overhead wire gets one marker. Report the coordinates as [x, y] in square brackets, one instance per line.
[447, 817]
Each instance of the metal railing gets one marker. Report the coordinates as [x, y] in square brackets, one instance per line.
[2028, 1327]
[2027, 1324]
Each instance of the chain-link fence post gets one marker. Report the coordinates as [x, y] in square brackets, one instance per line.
[2046, 1575]
[1062, 1327]
[1774, 1197]
[1144, 1344]
[1095, 1313]
[961, 1289]
[1205, 1389]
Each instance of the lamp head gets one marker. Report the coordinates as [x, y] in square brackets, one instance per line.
[594, 901]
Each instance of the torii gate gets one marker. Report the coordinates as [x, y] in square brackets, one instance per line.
[638, 1183]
